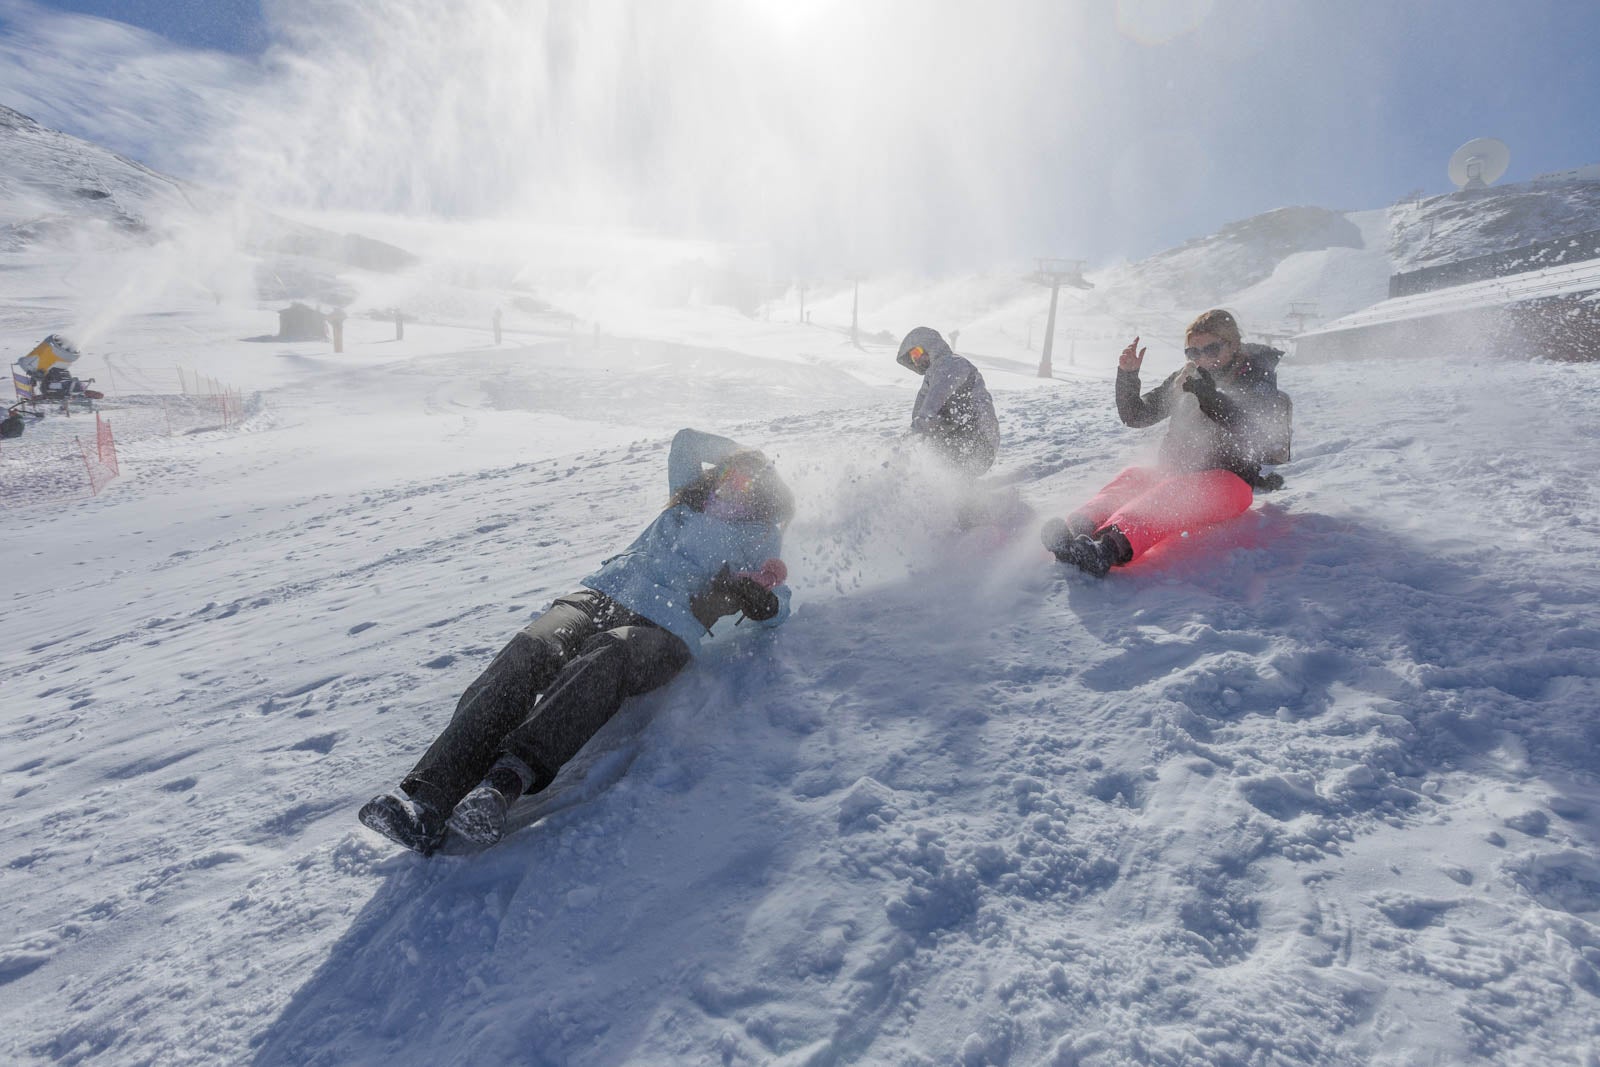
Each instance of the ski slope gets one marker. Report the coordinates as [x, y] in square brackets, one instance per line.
[1319, 786]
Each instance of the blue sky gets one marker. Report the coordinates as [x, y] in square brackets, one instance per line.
[934, 131]
[225, 25]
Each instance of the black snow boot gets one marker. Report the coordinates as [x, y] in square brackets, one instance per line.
[405, 821]
[1055, 536]
[1096, 555]
[1056, 533]
[481, 815]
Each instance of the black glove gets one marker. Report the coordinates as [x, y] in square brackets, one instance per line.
[716, 601]
[1217, 407]
[755, 600]
[728, 595]
[1200, 382]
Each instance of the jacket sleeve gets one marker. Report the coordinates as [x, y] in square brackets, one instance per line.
[1146, 410]
[944, 378]
[692, 448]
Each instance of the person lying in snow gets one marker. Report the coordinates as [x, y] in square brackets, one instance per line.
[1228, 419]
[953, 409]
[714, 551]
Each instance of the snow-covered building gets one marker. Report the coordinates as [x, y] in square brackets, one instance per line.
[1553, 312]
[1528, 297]
[299, 322]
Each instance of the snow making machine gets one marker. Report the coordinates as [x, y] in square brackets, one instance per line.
[42, 379]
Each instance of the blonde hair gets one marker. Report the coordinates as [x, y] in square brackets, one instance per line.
[1216, 322]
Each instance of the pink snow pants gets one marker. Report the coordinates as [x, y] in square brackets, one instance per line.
[1150, 505]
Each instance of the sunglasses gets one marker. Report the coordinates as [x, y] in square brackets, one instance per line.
[1208, 351]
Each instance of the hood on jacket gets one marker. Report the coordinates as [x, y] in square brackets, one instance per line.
[929, 339]
[1256, 363]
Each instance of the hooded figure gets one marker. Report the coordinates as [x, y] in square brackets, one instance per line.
[953, 409]
[1228, 419]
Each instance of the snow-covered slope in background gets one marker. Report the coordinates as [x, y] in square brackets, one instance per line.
[1206, 270]
[154, 238]
[136, 93]
[1443, 229]
[51, 182]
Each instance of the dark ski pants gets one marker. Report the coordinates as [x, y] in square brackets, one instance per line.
[964, 447]
[1150, 505]
[586, 655]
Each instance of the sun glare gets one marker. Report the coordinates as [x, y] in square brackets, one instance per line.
[792, 16]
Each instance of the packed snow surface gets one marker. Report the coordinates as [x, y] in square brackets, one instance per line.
[1318, 786]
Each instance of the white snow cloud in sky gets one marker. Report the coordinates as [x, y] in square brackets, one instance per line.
[934, 135]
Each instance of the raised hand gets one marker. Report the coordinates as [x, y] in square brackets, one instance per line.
[1132, 357]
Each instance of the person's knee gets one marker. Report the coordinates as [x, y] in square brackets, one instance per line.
[1232, 491]
[646, 656]
[607, 644]
[1243, 493]
[555, 633]
[530, 651]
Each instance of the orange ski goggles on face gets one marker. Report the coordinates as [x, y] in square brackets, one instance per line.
[736, 481]
[916, 354]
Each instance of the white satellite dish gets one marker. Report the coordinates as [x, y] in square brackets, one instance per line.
[1479, 163]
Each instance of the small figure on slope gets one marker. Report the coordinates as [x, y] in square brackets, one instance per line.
[1228, 418]
[714, 551]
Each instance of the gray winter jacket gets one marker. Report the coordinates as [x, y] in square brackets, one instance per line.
[953, 400]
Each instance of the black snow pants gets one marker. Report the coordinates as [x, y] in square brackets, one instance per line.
[963, 446]
[586, 655]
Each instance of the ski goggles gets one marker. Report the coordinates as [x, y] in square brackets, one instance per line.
[916, 354]
[1209, 351]
[736, 481]
[744, 476]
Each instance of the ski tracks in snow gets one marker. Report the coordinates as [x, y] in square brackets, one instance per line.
[1314, 787]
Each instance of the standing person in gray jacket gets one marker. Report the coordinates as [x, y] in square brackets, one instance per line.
[713, 551]
[953, 409]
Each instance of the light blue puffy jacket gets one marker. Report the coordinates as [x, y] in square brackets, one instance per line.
[676, 556]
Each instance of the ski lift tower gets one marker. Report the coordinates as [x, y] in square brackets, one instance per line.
[1300, 313]
[1055, 273]
[855, 314]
